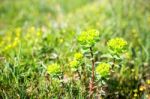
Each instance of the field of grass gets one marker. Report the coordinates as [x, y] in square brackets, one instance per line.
[74, 49]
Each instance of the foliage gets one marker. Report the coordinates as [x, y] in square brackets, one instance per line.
[74, 49]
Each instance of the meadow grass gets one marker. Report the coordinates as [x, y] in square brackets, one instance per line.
[74, 49]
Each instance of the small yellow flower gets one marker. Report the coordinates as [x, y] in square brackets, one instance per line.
[14, 44]
[78, 56]
[53, 69]
[88, 38]
[39, 34]
[135, 95]
[117, 45]
[103, 69]
[148, 81]
[61, 40]
[142, 88]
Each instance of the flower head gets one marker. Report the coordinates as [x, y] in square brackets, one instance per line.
[117, 45]
[53, 69]
[88, 38]
[78, 56]
[103, 69]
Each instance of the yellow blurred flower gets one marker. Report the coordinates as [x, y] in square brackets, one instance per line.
[148, 81]
[103, 69]
[88, 38]
[61, 40]
[53, 69]
[135, 95]
[39, 34]
[135, 90]
[78, 56]
[8, 47]
[14, 44]
[142, 88]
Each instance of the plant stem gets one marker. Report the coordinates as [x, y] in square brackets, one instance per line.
[79, 74]
[91, 84]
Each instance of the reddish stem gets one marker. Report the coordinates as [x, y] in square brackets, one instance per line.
[91, 84]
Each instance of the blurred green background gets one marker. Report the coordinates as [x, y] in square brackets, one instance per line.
[34, 33]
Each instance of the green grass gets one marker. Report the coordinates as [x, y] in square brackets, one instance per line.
[34, 34]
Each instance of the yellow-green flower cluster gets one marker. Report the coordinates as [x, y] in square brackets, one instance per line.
[33, 32]
[148, 81]
[10, 40]
[53, 69]
[74, 64]
[88, 38]
[103, 69]
[117, 45]
[78, 56]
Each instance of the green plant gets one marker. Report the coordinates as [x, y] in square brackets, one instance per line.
[95, 75]
[45, 54]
